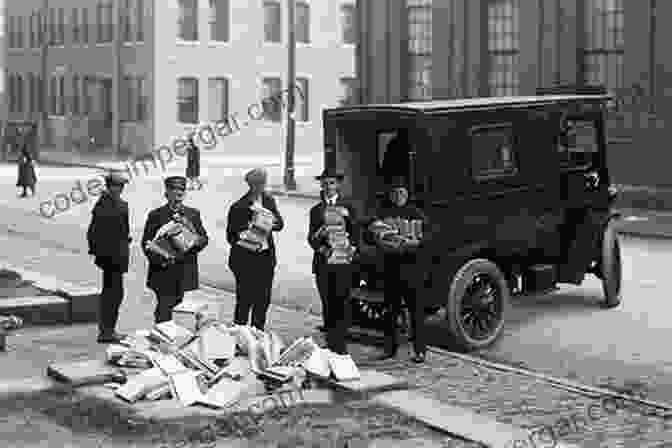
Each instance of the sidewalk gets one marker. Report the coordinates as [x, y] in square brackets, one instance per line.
[518, 400]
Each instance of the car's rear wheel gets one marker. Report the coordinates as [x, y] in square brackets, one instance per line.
[611, 268]
[478, 301]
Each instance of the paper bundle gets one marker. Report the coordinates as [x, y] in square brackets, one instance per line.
[139, 385]
[170, 333]
[337, 237]
[189, 314]
[255, 237]
[173, 239]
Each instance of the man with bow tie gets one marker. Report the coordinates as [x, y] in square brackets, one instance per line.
[171, 278]
[334, 281]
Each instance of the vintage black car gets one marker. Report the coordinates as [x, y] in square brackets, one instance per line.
[517, 189]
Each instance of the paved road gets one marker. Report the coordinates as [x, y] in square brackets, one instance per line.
[565, 333]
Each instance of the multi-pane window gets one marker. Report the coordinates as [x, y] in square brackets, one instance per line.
[105, 20]
[219, 20]
[272, 21]
[301, 102]
[187, 20]
[348, 91]
[349, 24]
[187, 100]
[603, 53]
[140, 21]
[272, 99]
[134, 99]
[75, 25]
[218, 99]
[302, 22]
[419, 49]
[503, 47]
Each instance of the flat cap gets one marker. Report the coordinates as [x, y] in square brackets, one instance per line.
[256, 176]
[176, 182]
[115, 178]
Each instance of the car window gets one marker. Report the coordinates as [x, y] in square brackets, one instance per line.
[577, 144]
[492, 151]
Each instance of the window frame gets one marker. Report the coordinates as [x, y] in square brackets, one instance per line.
[182, 21]
[265, 99]
[493, 174]
[609, 47]
[213, 22]
[275, 4]
[225, 103]
[196, 102]
[352, 11]
[500, 27]
[301, 28]
[419, 49]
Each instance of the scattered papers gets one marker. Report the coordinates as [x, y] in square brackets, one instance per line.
[318, 363]
[186, 387]
[343, 367]
[189, 315]
[171, 333]
[139, 385]
[214, 343]
[224, 393]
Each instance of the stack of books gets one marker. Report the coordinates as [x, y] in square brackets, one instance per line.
[255, 237]
[338, 238]
[173, 239]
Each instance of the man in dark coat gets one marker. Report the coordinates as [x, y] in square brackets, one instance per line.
[193, 165]
[26, 176]
[108, 236]
[253, 269]
[404, 276]
[334, 281]
[170, 280]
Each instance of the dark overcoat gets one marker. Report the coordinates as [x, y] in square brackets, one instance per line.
[238, 220]
[26, 175]
[108, 234]
[317, 220]
[182, 275]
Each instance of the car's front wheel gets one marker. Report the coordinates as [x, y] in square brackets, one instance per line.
[478, 301]
[610, 267]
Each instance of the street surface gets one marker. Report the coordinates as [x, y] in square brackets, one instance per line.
[564, 334]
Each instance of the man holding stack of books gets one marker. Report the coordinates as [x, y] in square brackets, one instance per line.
[171, 241]
[332, 234]
[251, 221]
[398, 230]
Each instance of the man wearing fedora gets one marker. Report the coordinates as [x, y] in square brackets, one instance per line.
[170, 280]
[334, 281]
[253, 268]
[403, 274]
[109, 237]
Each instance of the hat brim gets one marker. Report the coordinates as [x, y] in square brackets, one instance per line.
[330, 176]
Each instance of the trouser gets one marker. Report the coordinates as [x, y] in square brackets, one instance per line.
[253, 293]
[336, 281]
[110, 300]
[403, 281]
[321, 282]
[165, 302]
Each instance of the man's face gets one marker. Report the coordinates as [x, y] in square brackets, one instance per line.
[175, 195]
[399, 196]
[258, 187]
[115, 190]
[330, 186]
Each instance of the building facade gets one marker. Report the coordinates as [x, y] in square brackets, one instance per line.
[441, 49]
[133, 74]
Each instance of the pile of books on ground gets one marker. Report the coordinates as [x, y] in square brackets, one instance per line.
[216, 365]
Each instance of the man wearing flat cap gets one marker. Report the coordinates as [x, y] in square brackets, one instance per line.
[252, 258]
[108, 236]
[334, 281]
[170, 278]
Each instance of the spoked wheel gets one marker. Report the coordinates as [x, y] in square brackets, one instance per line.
[477, 304]
[610, 267]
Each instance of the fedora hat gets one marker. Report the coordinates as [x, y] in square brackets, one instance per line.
[397, 182]
[115, 178]
[330, 173]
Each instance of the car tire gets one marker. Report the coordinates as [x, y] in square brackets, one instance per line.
[611, 268]
[477, 274]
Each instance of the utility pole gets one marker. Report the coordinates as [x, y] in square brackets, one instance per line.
[290, 181]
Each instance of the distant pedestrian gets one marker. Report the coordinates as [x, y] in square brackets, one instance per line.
[26, 176]
[109, 238]
[253, 266]
[193, 165]
[170, 279]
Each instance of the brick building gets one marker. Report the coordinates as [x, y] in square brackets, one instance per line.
[424, 49]
[132, 74]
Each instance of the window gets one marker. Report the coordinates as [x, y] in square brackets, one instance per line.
[187, 21]
[503, 47]
[57, 95]
[140, 20]
[419, 49]
[134, 100]
[87, 91]
[75, 25]
[219, 20]
[272, 89]
[105, 20]
[348, 91]
[31, 37]
[19, 32]
[19, 94]
[85, 26]
[10, 31]
[577, 144]
[218, 99]
[187, 100]
[604, 34]
[61, 26]
[302, 22]
[141, 92]
[272, 21]
[126, 17]
[74, 107]
[349, 24]
[301, 100]
[492, 151]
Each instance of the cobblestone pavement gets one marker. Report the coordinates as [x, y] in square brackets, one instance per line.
[515, 399]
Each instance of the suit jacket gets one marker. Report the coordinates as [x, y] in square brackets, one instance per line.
[238, 220]
[185, 269]
[317, 221]
[108, 234]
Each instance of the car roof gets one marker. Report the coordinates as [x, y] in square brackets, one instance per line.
[469, 103]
